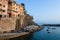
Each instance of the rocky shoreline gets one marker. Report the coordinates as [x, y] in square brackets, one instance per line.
[32, 28]
[11, 27]
[14, 27]
[25, 31]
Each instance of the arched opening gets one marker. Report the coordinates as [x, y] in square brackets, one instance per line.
[4, 15]
[9, 14]
[18, 15]
[0, 16]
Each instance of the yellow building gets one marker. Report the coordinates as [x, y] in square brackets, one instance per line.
[22, 9]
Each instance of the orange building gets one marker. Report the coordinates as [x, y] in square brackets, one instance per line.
[3, 8]
[11, 8]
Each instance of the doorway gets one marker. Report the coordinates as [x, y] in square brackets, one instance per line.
[9, 14]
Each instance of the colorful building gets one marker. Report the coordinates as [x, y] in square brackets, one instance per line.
[3, 8]
[22, 9]
[11, 8]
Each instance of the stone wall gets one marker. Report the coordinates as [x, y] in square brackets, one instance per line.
[7, 24]
[21, 22]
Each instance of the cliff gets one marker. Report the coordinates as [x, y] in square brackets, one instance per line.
[15, 24]
[11, 27]
[7, 24]
[23, 21]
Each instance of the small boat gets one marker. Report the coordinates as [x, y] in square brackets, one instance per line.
[49, 30]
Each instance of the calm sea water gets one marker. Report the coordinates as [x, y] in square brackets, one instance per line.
[48, 33]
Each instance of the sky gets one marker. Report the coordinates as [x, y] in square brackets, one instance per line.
[43, 11]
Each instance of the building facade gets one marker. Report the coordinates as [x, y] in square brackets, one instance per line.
[3, 8]
[22, 9]
[11, 8]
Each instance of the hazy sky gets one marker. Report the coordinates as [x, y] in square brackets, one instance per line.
[43, 11]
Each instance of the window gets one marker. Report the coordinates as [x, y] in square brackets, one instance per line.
[0, 4]
[16, 8]
[4, 15]
[16, 12]
[18, 15]
[13, 10]
[0, 16]
[13, 7]
[9, 3]
[3, 5]
[0, 9]
[13, 14]
[3, 10]
[10, 14]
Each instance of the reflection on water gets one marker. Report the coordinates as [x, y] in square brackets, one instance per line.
[48, 33]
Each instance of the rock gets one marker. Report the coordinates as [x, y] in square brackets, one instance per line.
[24, 20]
[31, 28]
[7, 24]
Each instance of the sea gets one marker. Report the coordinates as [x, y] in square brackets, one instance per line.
[47, 33]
